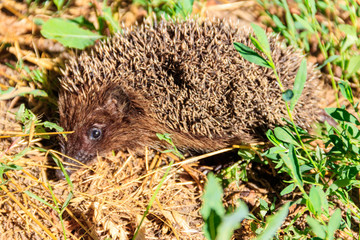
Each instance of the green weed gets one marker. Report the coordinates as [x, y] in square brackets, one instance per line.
[336, 35]
[219, 224]
[329, 174]
[56, 205]
[169, 9]
[79, 32]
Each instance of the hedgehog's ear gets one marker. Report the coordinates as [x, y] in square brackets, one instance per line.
[117, 101]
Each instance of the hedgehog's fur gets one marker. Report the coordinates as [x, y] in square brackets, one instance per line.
[183, 78]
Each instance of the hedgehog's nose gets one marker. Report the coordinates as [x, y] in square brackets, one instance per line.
[59, 174]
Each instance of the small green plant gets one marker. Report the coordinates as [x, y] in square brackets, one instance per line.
[78, 32]
[258, 223]
[33, 128]
[60, 5]
[220, 223]
[217, 223]
[167, 138]
[337, 35]
[57, 206]
[238, 171]
[169, 9]
[35, 76]
[5, 168]
[32, 125]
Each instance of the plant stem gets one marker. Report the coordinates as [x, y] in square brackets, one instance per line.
[291, 117]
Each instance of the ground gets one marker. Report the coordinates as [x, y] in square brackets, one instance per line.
[109, 197]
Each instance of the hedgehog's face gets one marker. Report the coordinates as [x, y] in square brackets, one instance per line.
[95, 122]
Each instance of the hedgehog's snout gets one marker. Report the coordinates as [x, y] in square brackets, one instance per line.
[60, 175]
[70, 165]
[78, 149]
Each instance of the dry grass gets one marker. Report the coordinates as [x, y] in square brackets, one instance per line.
[110, 197]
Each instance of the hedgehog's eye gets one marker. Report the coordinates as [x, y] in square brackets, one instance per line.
[95, 133]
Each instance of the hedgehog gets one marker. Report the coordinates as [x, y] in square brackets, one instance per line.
[183, 78]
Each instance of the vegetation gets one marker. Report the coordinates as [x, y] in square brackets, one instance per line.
[325, 176]
[321, 170]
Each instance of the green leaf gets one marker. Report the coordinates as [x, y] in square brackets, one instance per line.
[256, 43]
[354, 64]
[293, 165]
[318, 200]
[212, 209]
[184, 8]
[334, 223]
[351, 36]
[274, 222]
[338, 143]
[316, 227]
[53, 126]
[67, 201]
[291, 127]
[329, 60]
[278, 22]
[288, 189]
[38, 21]
[270, 135]
[287, 95]
[232, 222]
[59, 4]
[342, 183]
[349, 30]
[346, 91]
[262, 39]
[273, 152]
[114, 25]
[312, 6]
[250, 55]
[167, 137]
[342, 115]
[283, 134]
[83, 22]
[68, 33]
[7, 167]
[299, 83]
[246, 154]
[21, 113]
[62, 168]
[304, 23]
[289, 19]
